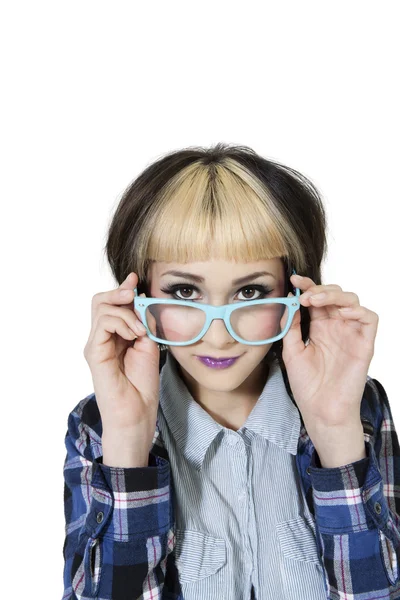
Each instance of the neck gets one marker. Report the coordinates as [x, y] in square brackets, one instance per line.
[230, 409]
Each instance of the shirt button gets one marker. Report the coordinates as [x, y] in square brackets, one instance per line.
[308, 471]
[100, 517]
[378, 508]
[232, 440]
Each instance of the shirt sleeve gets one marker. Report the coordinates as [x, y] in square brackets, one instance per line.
[357, 509]
[118, 522]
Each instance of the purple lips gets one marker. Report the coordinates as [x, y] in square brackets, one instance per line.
[217, 364]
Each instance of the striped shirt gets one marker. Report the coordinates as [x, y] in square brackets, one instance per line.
[232, 514]
[241, 519]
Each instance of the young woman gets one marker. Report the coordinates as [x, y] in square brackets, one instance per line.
[235, 446]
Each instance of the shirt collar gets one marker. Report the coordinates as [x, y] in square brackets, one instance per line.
[274, 416]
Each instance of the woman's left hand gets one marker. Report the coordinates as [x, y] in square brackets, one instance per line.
[328, 375]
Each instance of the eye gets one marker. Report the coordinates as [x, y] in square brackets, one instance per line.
[263, 291]
[173, 289]
[176, 288]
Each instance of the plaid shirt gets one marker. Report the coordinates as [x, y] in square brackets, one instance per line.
[120, 530]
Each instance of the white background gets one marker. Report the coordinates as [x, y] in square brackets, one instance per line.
[92, 92]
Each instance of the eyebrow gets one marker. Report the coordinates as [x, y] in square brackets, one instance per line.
[199, 279]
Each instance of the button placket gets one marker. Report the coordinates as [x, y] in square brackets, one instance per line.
[232, 439]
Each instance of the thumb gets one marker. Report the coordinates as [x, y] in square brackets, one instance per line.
[292, 341]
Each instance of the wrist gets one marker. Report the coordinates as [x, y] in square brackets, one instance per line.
[124, 452]
[339, 446]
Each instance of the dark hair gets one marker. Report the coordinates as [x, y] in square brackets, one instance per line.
[224, 202]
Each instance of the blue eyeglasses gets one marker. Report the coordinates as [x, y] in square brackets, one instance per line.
[195, 318]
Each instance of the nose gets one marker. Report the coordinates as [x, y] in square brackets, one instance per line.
[218, 334]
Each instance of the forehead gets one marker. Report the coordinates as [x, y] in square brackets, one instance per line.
[211, 270]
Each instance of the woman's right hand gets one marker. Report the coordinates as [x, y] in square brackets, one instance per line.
[125, 377]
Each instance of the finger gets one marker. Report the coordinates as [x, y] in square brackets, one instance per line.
[119, 296]
[149, 318]
[306, 283]
[123, 294]
[107, 325]
[125, 313]
[308, 287]
[330, 303]
[302, 282]
[305, 297]
[333, 297]
[360, 315]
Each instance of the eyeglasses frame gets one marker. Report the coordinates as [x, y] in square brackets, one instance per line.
[218, 312]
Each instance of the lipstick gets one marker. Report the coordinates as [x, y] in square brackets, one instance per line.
[217, 364]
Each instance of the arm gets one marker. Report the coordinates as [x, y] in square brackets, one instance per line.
[357, 509]
[118, 521]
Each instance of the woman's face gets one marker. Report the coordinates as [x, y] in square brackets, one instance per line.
[217, 287]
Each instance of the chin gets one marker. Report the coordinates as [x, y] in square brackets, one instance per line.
[233, 375]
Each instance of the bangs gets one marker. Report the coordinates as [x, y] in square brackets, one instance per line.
[217, 211]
